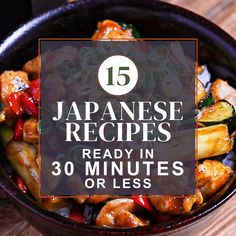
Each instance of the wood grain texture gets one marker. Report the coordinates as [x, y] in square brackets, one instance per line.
[221, 12]
[223, 223]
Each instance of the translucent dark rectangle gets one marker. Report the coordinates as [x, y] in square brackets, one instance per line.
[115, 135]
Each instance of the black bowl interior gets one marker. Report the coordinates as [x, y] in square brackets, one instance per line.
[152, 19]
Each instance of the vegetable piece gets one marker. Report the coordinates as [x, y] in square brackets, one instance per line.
[232, 124]
[201, 92]
[12, 82]
[22, 157]
[77, 216]
[14, 103]
[143, 201]
[28, 105]
[35, 90]
[221, 90]
[30, 131]
[217, 112]
[213, 141]
[21, 185]
[6, 133]
[19, 129]
[206, 102]
[125, 26]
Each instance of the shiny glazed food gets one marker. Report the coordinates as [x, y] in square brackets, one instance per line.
[215, 128]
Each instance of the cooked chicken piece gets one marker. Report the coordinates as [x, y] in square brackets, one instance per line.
[30, 131]
[120, 213]
[211, 176]
[201, 92]
[111, 30]
[125, 218]
[213, 140]
[23, 158]
[10, 82]
[32, 67]
[222, 90]
[176, 205]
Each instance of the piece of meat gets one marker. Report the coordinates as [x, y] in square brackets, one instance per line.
[120, 213]
[10, 82]
[211, 176]
[125, 218]
[176, 205]
[222, 90]
[111, 30]
[30, 131]
[32, 67]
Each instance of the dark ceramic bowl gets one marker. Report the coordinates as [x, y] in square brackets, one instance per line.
[153, 19]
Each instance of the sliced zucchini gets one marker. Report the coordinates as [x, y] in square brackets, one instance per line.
[213, 141]
[206, 102]
[6, 133]
[232, 124]
[217, 113]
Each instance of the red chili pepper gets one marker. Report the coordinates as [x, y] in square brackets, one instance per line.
[21, 185]
[76, 216]
[14, 103]
[143, 201]
[28, 105]
[19, 129]
[35, 90]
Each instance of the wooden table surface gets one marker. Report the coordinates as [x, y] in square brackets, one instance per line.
[223, 13]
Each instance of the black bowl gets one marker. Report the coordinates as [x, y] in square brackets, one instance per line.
[153, 19]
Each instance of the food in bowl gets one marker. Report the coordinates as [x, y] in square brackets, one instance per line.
[215, 128]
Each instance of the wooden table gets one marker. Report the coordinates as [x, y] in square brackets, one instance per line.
[223, 13]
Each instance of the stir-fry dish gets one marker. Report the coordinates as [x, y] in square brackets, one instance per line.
[215, 132]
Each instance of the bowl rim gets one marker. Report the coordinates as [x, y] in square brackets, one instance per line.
[184, 16]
